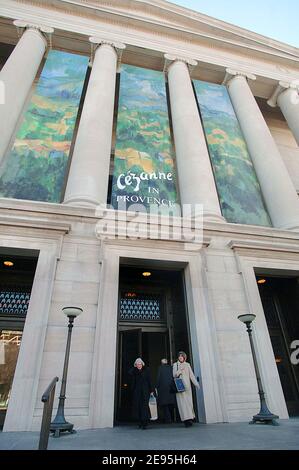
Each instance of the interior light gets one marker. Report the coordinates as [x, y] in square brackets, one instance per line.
[146, 274]
[8, 263]
[261, 281]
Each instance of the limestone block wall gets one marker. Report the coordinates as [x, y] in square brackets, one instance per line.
[228, 300]
[76, 284]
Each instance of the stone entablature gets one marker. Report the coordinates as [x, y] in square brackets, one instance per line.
[191, 36]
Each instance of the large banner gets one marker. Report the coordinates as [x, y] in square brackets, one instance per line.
[144, 173]
[36, 166]
[237, 184]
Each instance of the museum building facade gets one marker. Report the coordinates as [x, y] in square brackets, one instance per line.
[149, 174]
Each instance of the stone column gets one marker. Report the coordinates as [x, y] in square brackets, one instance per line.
[278, 190]
[195, 175]
[18, 75]
[89, 172]
[286, 96]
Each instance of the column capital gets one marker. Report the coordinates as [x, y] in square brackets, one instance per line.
[96, 42]
[45, 31]
[280, 88]
[171, 59]
[232, 73]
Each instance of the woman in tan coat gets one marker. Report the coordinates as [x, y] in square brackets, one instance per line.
[182, 369]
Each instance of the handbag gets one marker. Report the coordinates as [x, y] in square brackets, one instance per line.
[180, 386]
[177, 385]
[153, 408]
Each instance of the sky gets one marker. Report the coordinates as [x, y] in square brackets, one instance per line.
[272, 18]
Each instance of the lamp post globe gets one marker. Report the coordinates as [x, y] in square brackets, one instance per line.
[60, 424]
[264, 416]
[247, 318]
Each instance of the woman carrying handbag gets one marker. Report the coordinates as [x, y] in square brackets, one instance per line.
[182, 369]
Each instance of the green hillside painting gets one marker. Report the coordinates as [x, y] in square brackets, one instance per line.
[144, 165]
[238, 188]
[35, 167]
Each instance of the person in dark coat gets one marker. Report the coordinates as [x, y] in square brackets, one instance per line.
[141, 390]
[166, 399]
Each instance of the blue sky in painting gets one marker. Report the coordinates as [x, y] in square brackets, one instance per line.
[214, 97]
[62, 75]
[150, 85]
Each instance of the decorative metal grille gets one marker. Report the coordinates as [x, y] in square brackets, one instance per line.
[141, 307]
[14, 302]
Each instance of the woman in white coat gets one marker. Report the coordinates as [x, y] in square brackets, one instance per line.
[182, 369]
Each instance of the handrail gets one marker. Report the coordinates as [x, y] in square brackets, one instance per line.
[47, 399]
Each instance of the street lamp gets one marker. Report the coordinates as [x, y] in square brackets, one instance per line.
[264, 416]
[60, 424]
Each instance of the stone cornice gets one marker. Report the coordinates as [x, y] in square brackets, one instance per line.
[203, 28]
[75, 23]
[169, 14]
[270, 245]
[59, 216]
[7, 220]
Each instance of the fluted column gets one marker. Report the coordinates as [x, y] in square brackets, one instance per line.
[278, 190]
[89, 172]
[18, 75]
[195, 175]
[286, 96]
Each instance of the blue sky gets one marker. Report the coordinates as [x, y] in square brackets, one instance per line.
[273, 18]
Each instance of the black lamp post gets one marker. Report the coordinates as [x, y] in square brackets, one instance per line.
[60, 424]
[264, 416]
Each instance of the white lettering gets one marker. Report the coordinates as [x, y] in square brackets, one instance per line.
[295, 354]
[114, 460]
[127, 180]
[119, 183]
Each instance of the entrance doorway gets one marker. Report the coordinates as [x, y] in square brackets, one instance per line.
[16, 279]
[152, 324]
[280, 296]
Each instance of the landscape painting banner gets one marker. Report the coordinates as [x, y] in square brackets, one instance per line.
[36, 166]
[144, 176]
[237, 184]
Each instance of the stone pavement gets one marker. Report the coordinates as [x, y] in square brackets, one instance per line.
[232, 436]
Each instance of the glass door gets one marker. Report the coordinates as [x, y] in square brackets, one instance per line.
[129, 350]
[10, 341]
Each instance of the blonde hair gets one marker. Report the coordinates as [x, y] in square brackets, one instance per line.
[139, 361]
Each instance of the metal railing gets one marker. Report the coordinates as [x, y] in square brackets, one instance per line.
[47, 399]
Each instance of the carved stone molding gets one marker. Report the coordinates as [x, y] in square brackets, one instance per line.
[280, 88]
[231, 73]
[170, 59]
[45, 31]
[96, 42]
